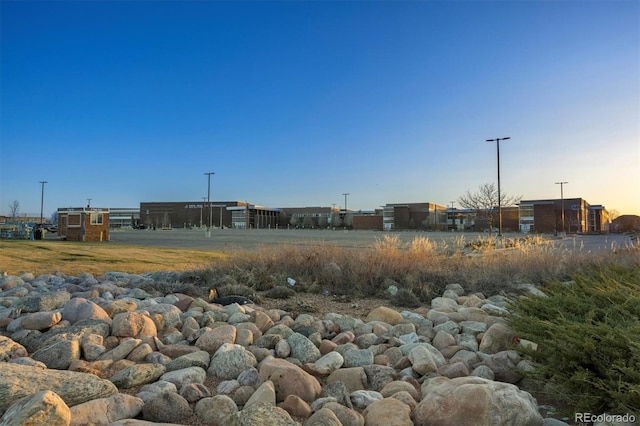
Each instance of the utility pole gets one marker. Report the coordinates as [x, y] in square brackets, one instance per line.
[562, 202]
[453, 217]
[209, 199]
[42, 182]
[345, 201]
[202, 208]
[497, 141]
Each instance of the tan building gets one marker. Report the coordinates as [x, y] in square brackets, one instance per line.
[83, 224]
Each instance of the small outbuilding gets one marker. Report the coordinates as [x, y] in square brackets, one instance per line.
[83, 224]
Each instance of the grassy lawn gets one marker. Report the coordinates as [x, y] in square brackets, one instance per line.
[72, 258]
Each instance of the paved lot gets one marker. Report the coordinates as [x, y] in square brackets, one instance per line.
[252, 239]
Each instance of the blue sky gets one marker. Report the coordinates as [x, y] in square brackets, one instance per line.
[295, 103]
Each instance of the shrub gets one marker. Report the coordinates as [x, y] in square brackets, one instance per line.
[588, 335]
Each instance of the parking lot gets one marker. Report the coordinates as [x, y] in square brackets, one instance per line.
[252, 239]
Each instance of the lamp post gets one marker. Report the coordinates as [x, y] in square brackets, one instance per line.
[209, 199]
[497, 141]
[42, 182]
[89, 202]
[562, 203]
[201, 208]
[453, 217]
[345, 201]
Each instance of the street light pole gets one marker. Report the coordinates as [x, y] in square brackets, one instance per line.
[453, 217]
[345, 202]
[201, 208]
[562, 202]
[209, 199]
[89, 202]
[42, 182]
[497, 141]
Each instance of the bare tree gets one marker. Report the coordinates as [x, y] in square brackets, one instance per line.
[613, 214]
[14, 209]
[485, 201]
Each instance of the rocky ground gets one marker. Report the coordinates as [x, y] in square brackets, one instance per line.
[106, 350]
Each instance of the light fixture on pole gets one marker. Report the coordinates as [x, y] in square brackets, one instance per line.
[42, 182]
[562, 203]
[209, 199]
[497, 141]
[89, 202]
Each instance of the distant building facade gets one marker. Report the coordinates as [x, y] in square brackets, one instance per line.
[414, 216]
[546, 216]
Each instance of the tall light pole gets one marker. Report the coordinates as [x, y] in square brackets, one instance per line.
[209, 199]
[89, 202]
[453, 217]
[345, 201]
[562, 202]
[201, 208]
[42, 182]
[497, 141]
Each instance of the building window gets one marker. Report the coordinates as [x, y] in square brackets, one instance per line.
[96, 218]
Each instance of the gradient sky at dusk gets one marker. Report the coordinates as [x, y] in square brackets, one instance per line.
[294, 103]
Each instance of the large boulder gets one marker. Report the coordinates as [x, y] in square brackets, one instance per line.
[289, 379]
[18, 381]
[477, 401]
[41, 408]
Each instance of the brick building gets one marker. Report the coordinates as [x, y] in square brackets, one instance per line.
[83, 224]
[546, 216]
[414, 216]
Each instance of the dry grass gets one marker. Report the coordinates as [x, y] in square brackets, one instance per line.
[72, 258]
[421, 267]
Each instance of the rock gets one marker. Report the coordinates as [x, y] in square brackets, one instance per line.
[363, 398]
[137, 374]
[74, 388]
[454, 401]
[261, 414]
[387, 412]
[200, 359]
[46, 301]
[323, 417]
[194, 392]
[133, 324]
[10, 349]
[302, 348]
[185, 376]
[296, 406]
[346, 415]
[42, 408]
[79, 309]
[384, 314]
[498, 337]
[58, 355]
[358, 358]
[354, 378]
[41, 320]
[213, 339]
[106, 410]
[167, 407]
[289, 379]
[216, 410]
[230, 360]
[266, 393]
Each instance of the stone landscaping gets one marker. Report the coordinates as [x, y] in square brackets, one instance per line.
[78, 350]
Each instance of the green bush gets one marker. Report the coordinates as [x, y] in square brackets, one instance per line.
[588, 336]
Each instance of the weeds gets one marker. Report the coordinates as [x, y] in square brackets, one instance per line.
[421, 267]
